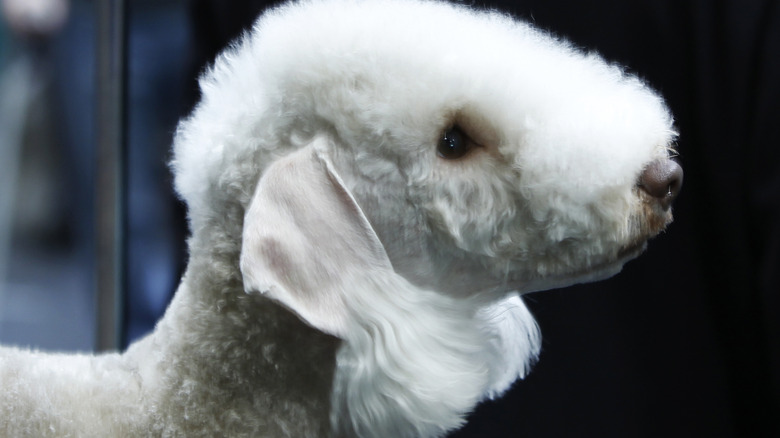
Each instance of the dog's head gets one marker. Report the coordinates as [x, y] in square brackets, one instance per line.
[484, 154]
[439, 157]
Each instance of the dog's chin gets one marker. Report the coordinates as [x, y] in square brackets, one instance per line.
[599, 271]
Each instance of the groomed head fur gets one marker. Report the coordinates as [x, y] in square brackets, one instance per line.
[554, 139]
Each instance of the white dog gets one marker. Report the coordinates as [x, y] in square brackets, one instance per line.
[370, 184]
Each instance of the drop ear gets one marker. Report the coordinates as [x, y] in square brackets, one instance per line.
[305, 239]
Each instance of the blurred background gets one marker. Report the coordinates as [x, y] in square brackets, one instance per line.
[684, 342]
[47, 238]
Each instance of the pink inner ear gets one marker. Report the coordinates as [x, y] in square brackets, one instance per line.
[306, 241]
[272, 252]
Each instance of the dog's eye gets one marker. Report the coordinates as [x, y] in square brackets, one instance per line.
[453, 144]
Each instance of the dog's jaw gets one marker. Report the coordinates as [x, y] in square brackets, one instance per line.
[597, 272]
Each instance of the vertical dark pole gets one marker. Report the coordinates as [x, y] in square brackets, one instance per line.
[111, 152]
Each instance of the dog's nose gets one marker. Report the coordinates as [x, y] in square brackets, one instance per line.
[662, 179]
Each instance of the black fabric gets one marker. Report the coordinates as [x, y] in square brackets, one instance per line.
[686, 341]
[216, 24]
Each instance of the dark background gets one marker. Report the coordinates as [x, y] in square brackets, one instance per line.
[684, 342]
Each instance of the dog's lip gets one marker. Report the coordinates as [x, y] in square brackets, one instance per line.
[596, 272]
[610, 267]
[632, 250]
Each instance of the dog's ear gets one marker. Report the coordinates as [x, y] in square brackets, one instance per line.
[305, 238]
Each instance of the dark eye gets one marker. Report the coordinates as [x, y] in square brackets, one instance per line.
[453, 144]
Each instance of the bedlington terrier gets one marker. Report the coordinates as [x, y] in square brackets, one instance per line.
[371, 185]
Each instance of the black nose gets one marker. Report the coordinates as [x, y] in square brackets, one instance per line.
[662, 179]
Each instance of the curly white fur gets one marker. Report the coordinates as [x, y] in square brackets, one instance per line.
[344, 279]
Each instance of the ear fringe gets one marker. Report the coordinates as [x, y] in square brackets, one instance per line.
[415, 362]
[516, 338]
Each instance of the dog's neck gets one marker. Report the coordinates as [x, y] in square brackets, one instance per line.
[412, 364]
[217, 342]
